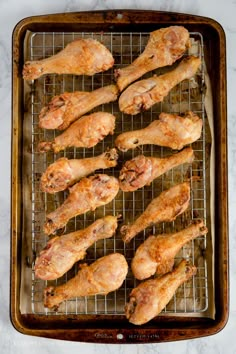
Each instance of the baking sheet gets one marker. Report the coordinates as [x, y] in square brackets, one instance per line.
[194, 298]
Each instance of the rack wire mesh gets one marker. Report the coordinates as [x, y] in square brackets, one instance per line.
[191, 297]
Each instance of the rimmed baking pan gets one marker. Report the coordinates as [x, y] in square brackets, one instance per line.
[201, 307]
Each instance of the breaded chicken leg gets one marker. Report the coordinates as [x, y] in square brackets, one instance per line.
[143, 94]
[62, 252]
[166, 207]
[63, 173]
[64, 109]
[150, 297]
[164, 47]
[103, 276]
[88, 194]
[87, 131]
[142, 170]
[80, 57]
[156, 254]
[170, 130]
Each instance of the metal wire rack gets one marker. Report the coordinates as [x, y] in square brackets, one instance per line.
[192, 297]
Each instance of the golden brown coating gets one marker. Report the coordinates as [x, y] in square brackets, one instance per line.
[106, 274]
[164, 47]
[156, 254]
[142, 170]
[80, 57]
[62, 252]
[88, 194]
[143, 94]
[87, 132]
[150, 297]
[64, 109]
[170, 130]
[166, 207]
[63, 173]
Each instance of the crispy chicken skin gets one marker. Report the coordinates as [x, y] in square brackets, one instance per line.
[164, 47]
[64, 109]
[166, 207]
[156, 254]
[150, 297]
[62, 252]
[80, 57]
[142, 170]
[87, 132]
[143, 94]
[64, 172]
[170, 130]
[103, 276]
[88, 194]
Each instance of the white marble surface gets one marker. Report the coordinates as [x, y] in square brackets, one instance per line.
[11, 11]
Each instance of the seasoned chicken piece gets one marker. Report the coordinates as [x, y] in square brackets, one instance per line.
[164, 47]
[150, 297]
[63, 173]
[156, 254]
[166, 207]
[170, 130]
[143, 94]
[64, 109]
[88, 194]
[80, 57]
[103, 276]
[142, 170]
[87, 131]
[62, 252]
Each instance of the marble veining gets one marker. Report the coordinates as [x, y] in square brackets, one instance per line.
[12, 11]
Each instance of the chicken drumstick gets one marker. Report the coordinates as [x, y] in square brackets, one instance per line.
[87, 131]
[149, 298]
[62, 252]
[64, 109]
[156, 254]
[63, 173]
[80, 57]
[88, 194]
[143, 94]
[103, 276]
[166, 207]
[170, 130]
[142, 170]
[164, 47]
